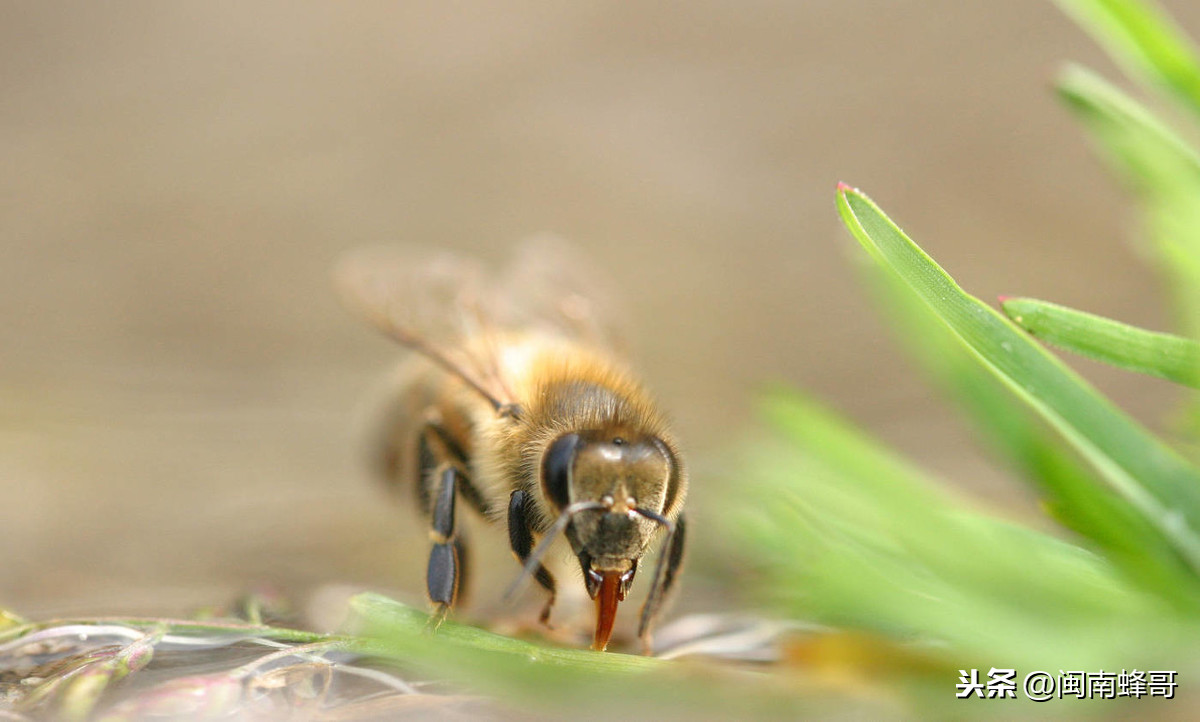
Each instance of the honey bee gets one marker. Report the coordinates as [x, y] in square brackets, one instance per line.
[518, 405]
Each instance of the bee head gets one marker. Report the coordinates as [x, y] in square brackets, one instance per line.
[620, 473]
[619, 482]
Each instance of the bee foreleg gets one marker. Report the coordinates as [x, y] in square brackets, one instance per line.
[520, 536]
[664, 581]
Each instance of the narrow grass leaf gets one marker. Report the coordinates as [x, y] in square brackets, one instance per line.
[1015, 432]
[374, 612]
[1128, 347]
[847, 532]
[1162, 169]
[1146, 473]
[583, 683]
[1143, 39]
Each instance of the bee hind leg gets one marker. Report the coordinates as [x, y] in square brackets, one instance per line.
[520, 537]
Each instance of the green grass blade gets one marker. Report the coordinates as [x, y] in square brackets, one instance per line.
[570, 681]
[1162, 169]
[374, 612]
[1146, 150]
[1146, 473]
[1145, 41]
[1015, 432]
[1163, 355]
[9, 619]
[844, 531]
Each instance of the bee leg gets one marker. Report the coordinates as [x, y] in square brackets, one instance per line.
[435, 447]
[520, 536]
[664, 582]
[444, 574]
[440, 480]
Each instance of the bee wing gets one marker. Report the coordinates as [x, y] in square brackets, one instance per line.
[436, 303]
[555, 286]
[429, 303]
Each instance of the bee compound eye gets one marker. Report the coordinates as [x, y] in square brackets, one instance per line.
[556, 469]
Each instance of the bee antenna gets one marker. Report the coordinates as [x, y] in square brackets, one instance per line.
[653, 598]
[531, 564]
[655, 517]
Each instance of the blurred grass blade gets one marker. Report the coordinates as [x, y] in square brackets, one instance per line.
[1147, 151]
[9, 620]
[594, 684]
[842, 529]
[1164, 355]
[1012, 429]
[375, 614]
[83, 691]
[1147, 474]
[1143, 39]
[1161, 167]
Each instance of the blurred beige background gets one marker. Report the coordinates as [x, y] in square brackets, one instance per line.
[179, 390]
